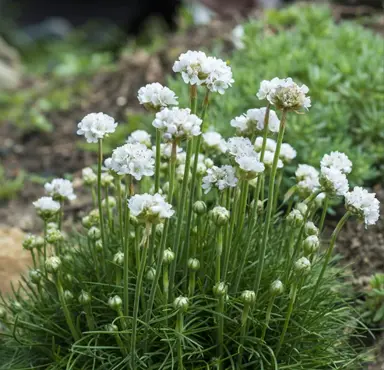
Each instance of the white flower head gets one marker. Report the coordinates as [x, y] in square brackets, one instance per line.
[141, 137]
[156, 96]
[150, 208]
[270, 144]
[239, 145]
[333, 182]
[60, 189]
[46, 207]
[287, 153]
[177, 123]
[219, 75]
[213, 140]
[249, 165]
[337, 160]
[287, 95]
[268, 159]
[266, 87]
[363, 204]
[95, 126]
[89, 176]
[133, 159]
[222, 178]
[307, 178]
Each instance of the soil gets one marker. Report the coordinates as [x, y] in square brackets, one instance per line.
[114, 93]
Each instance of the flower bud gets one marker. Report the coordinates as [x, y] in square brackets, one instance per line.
[302, 266]
[84, 298]
[29, 242]
[133, 220]
[311, 229]
[295, 218]
[111, 202]
[181, 303]
[168, 256]
[35, 276]
[94, 233]
[52, 264]
[16, 306]
[89, 177]
[3, 313]
[115, 303]
[52, 225]
[201, 169]
[86, 222]
[248, 296]
[68, 278]
[302, 208]
[54, 236]
[319, 199]
[111, 327]
[311, 244]
[39, 242]
[209, 162]
[194, 264]
[94, 217]
[151, 273]
[118, 258]
[277, 287]
[220, 289]
[106, 179]
[220, 216]
[68, 296]
[68, 258]
[159, 229]
[99, 245]
[194, 230]
[199, 207]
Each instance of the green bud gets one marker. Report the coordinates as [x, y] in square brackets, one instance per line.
[86, 222]
[84, 298]
[94, 233]
[68, 258]
[39, 242]
[68, 278]
[68, 296]
[220, 216]
[35, 276]
[151, 274]
[99, 246]
[54, 236]
[277, 287]
[16, 306]
[168, 256]
[181, 303]
[302, 208]
[194, 264]
[111, 202]
[220, 289]
[52, 225]
[311, 244]
[106, 179]
[115, 303]
[302, 266]
[295, 218]
[111, 327]
[118, 258]
[52, 264]
[29, 242]
[199, 207]
[94, 217]
[248, 296]
[311, 229]
[159, 229]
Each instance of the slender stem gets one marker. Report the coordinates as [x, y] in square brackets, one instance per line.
[89, 317]
[193, 98]
[328, 256]
[61, 213]
[68, 317]
[277, 187]
[177, 241]
[220, 330]
[293, 294]
[219, 251]
[45, 242]
[269, 205]
[268, 316]
[179, 330]
[139, 284]
[126, 252]
[33, 258]
[324, 213]
[243, 331]
[99, 164]
[120, 209]
[191, 283]
[158, 161]
[243, 206]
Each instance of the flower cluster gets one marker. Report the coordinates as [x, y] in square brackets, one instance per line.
[156, 96]
[95, 126]
[307, 178]
[60, 189]
[141, 137]
[222, 178]
[46, 207]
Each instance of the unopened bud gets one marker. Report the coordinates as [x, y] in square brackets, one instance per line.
[168, 256]
[220, 216]
[277, 287]
[111, 202]
[118, 258]
[181, 303]
[86, 222]
[311, 244]
[248, 296]
[194, 264]
[68, 258]
[302, 208]
[199, 207]
[115, 303]
[52, 264]
[151, 273]
[52, 225]
[295, 218]
[39, 242]
[29, 242]
[311, 229]
[68, 296]
[159, 229]
[35, 276]
[94, 233]
[84, 298]
[99, 245]
[54, 236]
[106, 179]
[220, 289]
[111, 327]
[302, 265]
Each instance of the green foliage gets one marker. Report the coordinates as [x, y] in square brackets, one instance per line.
[342, 65]
[373, 307]
[10, 187]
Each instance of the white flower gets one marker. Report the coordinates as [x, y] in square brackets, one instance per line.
[133, 159]
[198, 69]
[287, 153]
[46, 207]
[253, 120]
[337, 160]
[177, 123]
[214, 141]
[179, 173]
[156, 96]
[307, 178]
[95, 126]
[60, 189]
[268, 159]
[89, 176]
[363, 204]
[266, 87]
[107, 164]
[141, 137]
[250, 165]
[220, 177]
[151, 208]
[239, 145]
[287, 95]
[333, 181]
[237, 37]
[270, 144]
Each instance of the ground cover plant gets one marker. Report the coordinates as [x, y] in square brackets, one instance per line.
[188, 259]
[336, 60]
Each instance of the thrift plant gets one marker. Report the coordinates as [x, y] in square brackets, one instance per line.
[186, 261]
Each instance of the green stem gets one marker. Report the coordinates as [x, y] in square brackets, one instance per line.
[263, 248]
[277, 187]
[126, 252]
[243, 331]
[158, 161]
[179, 330]
[139, 284]
[120, 209]
[324, 213]
[293, 294]
[191, 283]
[99, 164]
[220, 330]
[193, 98]
[328, 256]
[243, 206]
[219, 251]
[68, 317]
[268, 316]
[89, 317]
[45, 242]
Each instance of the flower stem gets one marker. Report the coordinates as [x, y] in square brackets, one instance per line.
[191, 283]
[243, 331]
[120, 209]
[179, 330]
[324, 213]
[268, 316]
[219, 251]
[99, 163]
[328, 255]
[89, 317]
[269, 205]
[158, 161]
[220, 330]
[126, 251]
